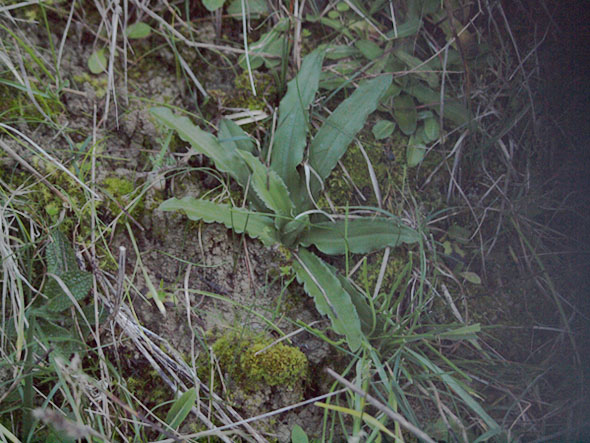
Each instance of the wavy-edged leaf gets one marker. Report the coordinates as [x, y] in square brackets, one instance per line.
[59, 254]
[370, 322]
[226, 158]
[270, 188]
[240, 220]
[79, 284]
[233, 136]
[291, 132]
[358, 235]
[321, 283]
[61, 262]
[181, 408]
[332, 140]
[405, 113]
[292, 230]
[453, 110]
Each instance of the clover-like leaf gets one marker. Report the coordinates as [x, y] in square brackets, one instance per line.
[415, 152]
[97, 62]
[138, 30]
[383, 129]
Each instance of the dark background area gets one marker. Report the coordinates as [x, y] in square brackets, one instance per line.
[562, 101]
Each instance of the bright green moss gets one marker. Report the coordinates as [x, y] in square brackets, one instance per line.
[279, 365]
[387, 165]
[98, 83]
[123, 191]
[266, 91]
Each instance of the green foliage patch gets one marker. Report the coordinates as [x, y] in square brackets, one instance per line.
[290, 186]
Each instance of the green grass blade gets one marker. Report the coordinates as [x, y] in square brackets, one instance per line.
[290, 136]
[360, 236]
[240, 220]
[225, 157]
[452, 383]
[321, 283]
[333, 138]
[181, 408]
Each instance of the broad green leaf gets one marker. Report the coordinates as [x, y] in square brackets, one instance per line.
[453, 110]
[322, 284]
[417, 66]
[431, 6]
[97, 62]
[61, 262]
[231, 135]
[63, 340]
[410, 27]
[240, 220]
[370, 322]
[335, 24]
[292, 230]
[272, 43]
[369, 49]
[332, 140]
[79, 284]
[431, 129]
[226, 158]
[383, 129]
[339, 74]
[404, 111]
[298, 435]
[291, 133]
[471, 277]
[358, 235]
[415, 152]
[138, 30]
[181, 408]
[254, 9]
[336, 52]
[269, 187]
[213, 5]
[342, 6]
[59, 254]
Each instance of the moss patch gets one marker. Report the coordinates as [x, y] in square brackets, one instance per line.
[280, 365]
